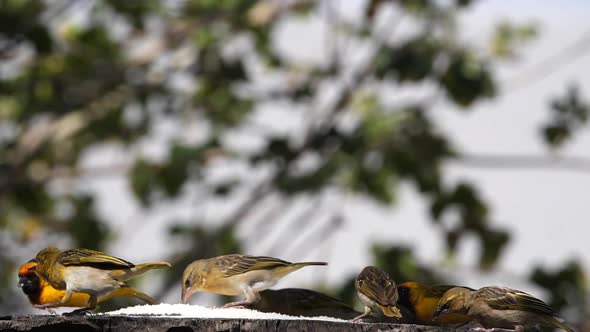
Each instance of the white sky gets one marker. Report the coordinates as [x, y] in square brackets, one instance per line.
[548, 211]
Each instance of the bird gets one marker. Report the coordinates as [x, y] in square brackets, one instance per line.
[302, 302]
[421, 301]
[377, 291]
[40, 292]
[236, 274]
[87, 271]
[499, 307]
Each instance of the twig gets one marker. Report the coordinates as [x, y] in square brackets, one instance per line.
[545, 68]
[259, 227]
[322, 235]
[574, 164]
[296, 226]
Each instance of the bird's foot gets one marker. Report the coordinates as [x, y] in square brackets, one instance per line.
[357, 319]
[48, 306]
[471, 326]
[78, 312]
[238, 304]
[48, 309]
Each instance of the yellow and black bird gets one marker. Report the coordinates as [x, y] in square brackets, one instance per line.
[40, 292]
[421, 300]
[87, 271]
[499, 307]
[377, 291]
[236, 274]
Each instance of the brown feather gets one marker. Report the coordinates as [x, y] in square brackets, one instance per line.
[377, 285]
[234, 264]
[502, 298]
[92, 258]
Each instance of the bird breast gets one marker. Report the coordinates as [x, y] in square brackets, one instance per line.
[89, 280]
[367, 300]
[257, 280]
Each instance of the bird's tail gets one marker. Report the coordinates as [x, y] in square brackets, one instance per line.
[556, 323]
[128, 292]
[391, 311]
[140, 269]
[302, 264]
[296, 266]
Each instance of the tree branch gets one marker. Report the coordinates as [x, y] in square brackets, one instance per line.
[511, 162]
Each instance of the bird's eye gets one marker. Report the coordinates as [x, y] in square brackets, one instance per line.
[187, 283]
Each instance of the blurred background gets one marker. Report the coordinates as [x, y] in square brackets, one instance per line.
[444, 141]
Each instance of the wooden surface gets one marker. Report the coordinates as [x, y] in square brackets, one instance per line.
[171, 324]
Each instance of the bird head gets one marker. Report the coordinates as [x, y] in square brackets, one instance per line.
[409, 292]
[28, 280]
[193, 280]
[47, 256]
[453, 301]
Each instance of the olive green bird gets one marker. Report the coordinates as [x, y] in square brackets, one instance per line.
[377, 291]
[236, 275]
[87, 271]
[499, 307]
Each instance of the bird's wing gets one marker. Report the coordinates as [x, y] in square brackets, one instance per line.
[501, 298]
[231, 265]
[439, 290]
[312, 300]
[93, 258]
[378, 286]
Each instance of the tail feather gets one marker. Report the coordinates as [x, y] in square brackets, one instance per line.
[128, 292]
[391, 311]
[138, 269]
[310, 263]
[283, 271]
[556, 323]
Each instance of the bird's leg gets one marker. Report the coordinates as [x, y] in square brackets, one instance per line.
[252, 296]
[91, 305]
[470, 325]
[49, 310]
[67, 296]
[357, 318]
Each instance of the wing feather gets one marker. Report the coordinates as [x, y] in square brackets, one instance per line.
[235, 264]
[377, 285]
[502, 298]
[93, 258]
[439, 290]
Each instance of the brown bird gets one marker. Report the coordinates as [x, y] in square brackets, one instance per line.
[499, 307]
[302, 302]
[87, 271]
[40, 292]
[235, 275]
[421, 301]
[377, 291]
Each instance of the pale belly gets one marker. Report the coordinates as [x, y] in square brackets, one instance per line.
[367, 301]
[235, 285]
[89, 280]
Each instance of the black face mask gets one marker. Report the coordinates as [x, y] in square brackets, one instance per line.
[29, 284]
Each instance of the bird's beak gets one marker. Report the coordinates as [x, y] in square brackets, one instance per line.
[21, 283]
[186, 295]
[439, 312]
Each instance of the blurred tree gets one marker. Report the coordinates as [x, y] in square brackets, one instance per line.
[76, 75]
